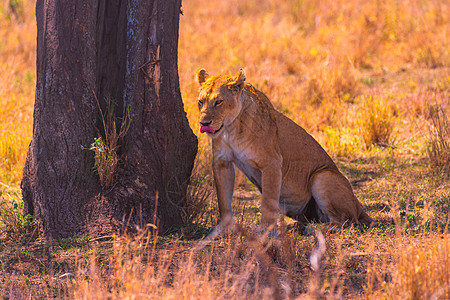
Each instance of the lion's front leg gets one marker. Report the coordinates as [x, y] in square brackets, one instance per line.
[271, 188]
[224, 177]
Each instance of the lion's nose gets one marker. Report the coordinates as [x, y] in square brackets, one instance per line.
[206, 123]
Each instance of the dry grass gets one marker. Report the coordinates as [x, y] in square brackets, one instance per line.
[376, 122]
[106, 145]
[422, 270]
[17, 59]
[359, 75]
[439, 140]
[348, 264]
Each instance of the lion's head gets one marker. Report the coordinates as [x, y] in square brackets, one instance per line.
[218, 102]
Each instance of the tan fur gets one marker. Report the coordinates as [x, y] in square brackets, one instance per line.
[293, 172]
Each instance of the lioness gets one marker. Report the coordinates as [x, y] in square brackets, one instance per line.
[286, 164]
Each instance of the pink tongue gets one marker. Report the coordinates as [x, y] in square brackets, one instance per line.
[206, 129]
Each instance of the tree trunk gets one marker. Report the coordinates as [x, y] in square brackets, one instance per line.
[125, 51]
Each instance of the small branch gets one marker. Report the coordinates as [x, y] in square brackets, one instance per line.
[150, 62]
[110, 190]
[106, 237]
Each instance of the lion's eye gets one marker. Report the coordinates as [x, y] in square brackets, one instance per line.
[200, 103]
[218, 102]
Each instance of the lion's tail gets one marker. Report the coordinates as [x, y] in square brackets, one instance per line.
[366, 220]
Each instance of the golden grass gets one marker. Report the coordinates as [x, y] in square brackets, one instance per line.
[353, 266]
[17, 84]
[376, 122]
[423, 270]
[356, 74]
[439, 142]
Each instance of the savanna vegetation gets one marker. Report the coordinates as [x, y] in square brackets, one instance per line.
[369, 80]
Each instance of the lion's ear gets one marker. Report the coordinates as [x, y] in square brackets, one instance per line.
[239, 79]
[202, 76]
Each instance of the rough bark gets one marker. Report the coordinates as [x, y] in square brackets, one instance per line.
[125, 50]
